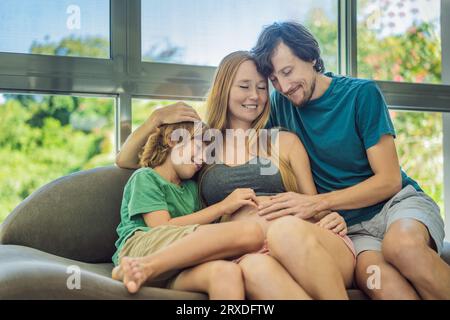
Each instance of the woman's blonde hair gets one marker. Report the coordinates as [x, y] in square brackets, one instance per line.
[217, 108]
[158, 147]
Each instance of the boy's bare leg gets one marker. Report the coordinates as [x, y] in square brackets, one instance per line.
[208, 242]
[221, 280]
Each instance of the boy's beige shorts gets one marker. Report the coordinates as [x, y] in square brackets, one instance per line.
[144, 243]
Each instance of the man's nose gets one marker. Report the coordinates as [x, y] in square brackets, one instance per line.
[285, 86]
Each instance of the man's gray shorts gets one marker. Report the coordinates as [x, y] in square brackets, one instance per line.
[409, 204]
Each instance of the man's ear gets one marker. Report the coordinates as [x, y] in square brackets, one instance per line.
[314, 62]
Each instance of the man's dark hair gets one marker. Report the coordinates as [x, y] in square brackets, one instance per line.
[294, 35]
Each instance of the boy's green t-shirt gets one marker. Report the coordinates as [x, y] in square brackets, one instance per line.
[146, 191]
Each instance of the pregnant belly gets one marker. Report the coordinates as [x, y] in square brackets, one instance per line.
[250, 213]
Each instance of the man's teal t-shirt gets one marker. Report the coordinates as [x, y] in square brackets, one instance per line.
[336, 130]
[146, 191]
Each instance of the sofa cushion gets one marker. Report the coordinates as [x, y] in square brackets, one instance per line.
[74, 216]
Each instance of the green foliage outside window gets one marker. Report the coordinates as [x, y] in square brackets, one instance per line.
[39, 144]
[411, 56]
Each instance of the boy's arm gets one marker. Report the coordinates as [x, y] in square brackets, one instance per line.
[204, 216]
[177, 112]
[234, 201]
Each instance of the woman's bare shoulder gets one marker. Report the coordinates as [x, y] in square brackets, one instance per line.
[288, 140]
[288, 136]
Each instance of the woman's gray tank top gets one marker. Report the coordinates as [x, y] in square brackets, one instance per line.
[220, 180]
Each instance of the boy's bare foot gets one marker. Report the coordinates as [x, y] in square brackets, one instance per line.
[136, 271]
[117, 273]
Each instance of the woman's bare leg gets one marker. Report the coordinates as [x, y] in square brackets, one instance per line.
[221, 280]
[316, 258]
[266, 279]
[207, 243]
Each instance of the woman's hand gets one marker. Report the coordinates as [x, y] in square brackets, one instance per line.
[334, 222]
[237, 199]
[174, 113]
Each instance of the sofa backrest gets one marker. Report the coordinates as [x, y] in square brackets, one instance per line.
[74, 217]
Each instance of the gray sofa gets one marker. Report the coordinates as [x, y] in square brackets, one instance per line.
[71, 222]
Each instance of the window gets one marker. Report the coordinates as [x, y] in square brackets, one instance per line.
[202, 32]
[143, 108]
[420, 150]
[78, 28]
[400, 40]
[43, 137]
[180, 42]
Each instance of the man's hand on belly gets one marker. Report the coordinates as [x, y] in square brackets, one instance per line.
[292, 203]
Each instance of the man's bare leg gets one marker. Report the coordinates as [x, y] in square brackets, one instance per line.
[407, 246]
[391, 285]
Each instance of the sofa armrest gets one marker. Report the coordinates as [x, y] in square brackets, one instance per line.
[27, 273]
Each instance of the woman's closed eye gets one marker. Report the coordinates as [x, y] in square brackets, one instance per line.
[247, 87]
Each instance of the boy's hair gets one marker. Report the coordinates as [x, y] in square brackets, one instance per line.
[294, 35]
[157, 148]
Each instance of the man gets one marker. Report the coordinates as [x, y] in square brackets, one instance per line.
[346, 129]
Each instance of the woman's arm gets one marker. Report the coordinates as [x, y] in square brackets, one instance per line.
[292, 149]
[177, 112]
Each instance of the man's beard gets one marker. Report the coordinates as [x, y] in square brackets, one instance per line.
[306, 99]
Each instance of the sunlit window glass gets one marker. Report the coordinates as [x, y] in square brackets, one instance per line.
[400, 40]
[78, 28]
[202, 32]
